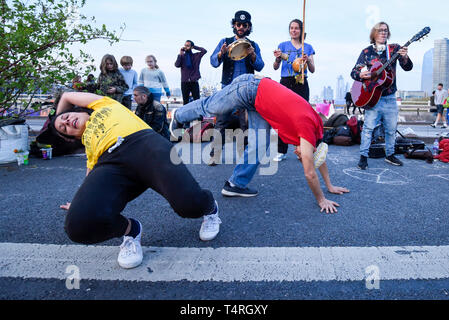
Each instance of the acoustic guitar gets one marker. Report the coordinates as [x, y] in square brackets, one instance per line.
[366, 93]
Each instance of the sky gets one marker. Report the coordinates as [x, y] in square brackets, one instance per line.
[337, 30]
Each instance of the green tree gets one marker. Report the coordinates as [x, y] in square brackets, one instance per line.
[36, 38]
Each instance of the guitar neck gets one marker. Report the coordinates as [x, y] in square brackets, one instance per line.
[392, 59]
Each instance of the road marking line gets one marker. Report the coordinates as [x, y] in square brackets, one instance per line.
[47, 261]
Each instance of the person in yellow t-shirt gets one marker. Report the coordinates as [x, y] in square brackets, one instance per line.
[125, 157]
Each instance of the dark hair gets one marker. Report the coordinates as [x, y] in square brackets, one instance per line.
[191, 42]
[247, 32]
[440, 84]
[300, 26]
[107, 57]
[52, 126]
[145, 91]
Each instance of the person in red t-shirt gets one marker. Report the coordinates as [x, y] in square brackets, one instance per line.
[268, 103]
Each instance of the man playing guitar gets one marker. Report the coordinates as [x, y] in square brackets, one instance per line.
[386, 110]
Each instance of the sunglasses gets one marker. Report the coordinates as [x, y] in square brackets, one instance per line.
[239, 24]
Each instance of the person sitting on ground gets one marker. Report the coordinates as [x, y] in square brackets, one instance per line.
[124, 158]
[267, 103]
[151, 111]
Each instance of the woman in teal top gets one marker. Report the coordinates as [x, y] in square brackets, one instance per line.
[289, 78]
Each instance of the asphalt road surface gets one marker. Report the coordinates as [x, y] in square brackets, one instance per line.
[389, 239]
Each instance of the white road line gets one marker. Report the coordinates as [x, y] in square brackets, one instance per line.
[228, 264]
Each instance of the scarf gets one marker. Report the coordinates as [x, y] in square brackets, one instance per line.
[189, 59]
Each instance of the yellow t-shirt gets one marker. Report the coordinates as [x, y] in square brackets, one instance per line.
[109, 120]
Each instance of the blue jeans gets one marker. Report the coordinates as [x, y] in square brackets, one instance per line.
[240, 94]
[385, 111]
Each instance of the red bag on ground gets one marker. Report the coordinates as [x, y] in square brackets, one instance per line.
[195, 133]
[444, 155]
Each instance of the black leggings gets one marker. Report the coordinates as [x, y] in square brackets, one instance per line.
[142, 161]
[300, 89]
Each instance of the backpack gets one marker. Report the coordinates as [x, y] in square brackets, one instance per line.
[336, 120]
[343, 136]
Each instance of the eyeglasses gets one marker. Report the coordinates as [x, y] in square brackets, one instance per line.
[382, 30]
[239, 24]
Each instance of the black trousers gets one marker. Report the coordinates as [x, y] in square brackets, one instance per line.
[142, 161]
[127, 101]
[190, 87]
[303, 91]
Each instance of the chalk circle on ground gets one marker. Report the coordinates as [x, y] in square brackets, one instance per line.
[442, 176]
[378, 175]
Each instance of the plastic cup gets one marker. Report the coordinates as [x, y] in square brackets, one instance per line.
[46, 153]
[25, 157]
[19, 159]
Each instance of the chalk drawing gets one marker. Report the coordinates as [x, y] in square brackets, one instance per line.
[378, 175]
[442, 176]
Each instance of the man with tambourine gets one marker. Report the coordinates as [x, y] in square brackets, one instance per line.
[239, 55]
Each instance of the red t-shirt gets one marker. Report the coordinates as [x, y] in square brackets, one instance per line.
[288, 113]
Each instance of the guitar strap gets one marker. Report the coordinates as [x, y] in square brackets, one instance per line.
[388, 52]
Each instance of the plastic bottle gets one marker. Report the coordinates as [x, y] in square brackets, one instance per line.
[436, 147]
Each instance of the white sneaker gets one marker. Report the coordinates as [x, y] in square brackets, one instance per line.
[210, 226]
[319, 156]
[279, 157]
[131, 254]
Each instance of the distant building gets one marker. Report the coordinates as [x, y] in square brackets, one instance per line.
[410, 95]
[341, 89]
[427, 73]
[328, 93]
[441, 63]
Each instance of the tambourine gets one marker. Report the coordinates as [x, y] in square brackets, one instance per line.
[238, 50]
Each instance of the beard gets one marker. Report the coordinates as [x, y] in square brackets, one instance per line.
[245, 33]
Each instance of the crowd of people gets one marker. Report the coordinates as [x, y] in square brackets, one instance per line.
[129, 152]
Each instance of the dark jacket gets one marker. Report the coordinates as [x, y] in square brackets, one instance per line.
[228, 64]
[367, 58]
[155, 115]
[190, 75]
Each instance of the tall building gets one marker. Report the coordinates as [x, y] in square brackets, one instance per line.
[427, 73]
[341, 89]
[441, 63]
[328, 93]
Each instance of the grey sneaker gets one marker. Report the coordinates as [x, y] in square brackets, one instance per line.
[393, 160]
[235, 191]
